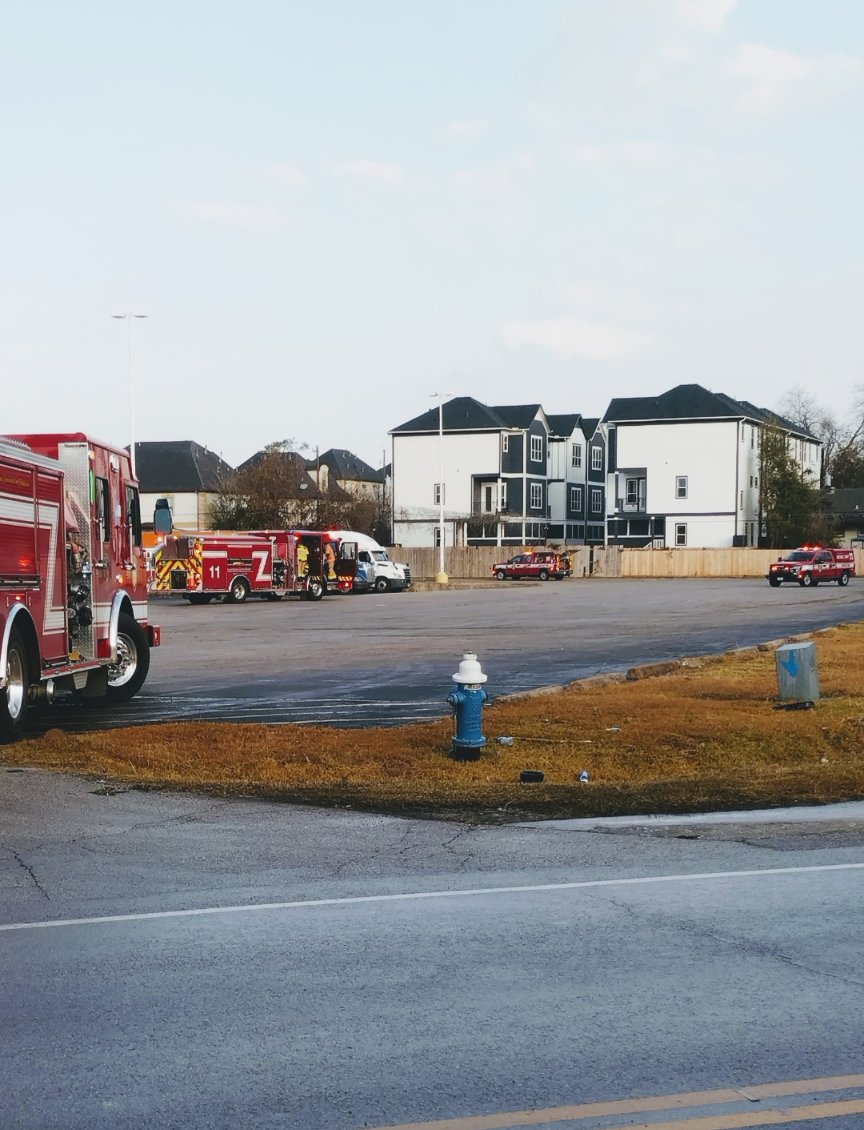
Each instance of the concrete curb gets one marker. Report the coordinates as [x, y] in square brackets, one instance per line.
[658, 670]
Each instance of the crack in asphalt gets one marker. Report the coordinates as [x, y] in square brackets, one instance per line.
[743, 945]
[26, 867]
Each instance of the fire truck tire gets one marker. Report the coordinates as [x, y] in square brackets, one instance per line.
[543, 575]
[843, 580]
[315, 588]
[13, 700]
[382, 584]
[239, 591]
[806, 580]
[774, 582]
[127, 675]
[501, 575]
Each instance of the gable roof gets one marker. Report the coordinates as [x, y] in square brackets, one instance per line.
[462, 414]
[345, 465]
[693, 402]
[179, 467]
[589, 426]
[564, 425]
[517, 415]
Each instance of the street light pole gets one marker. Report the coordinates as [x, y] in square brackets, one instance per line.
[441, 577]
[128, 319]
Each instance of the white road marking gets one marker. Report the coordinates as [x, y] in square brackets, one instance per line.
[415, 896]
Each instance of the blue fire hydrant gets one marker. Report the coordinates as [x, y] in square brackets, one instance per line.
[466, 700]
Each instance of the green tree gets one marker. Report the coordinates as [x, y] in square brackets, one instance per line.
[789, 506]
[272, 492]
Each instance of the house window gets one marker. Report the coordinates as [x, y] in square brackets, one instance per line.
[437, 536]
[536, 496]
[753, 436]
[680, 533]
[536, 449]
[596, 458]
[576, 499]
[741, 500]
[596, 501]
[634, 494]
[439, 493]
[505, 443]
[575, 454]
[487, 502]
[755, 480]
[680, 486]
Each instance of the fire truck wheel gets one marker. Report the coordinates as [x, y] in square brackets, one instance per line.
[843, 579]
[13, 701]
[543, 575]
[239, 590]
[382, 584]
[774, 582]
[127, 675]
[501, 575]
[806, 580]
[315, 588]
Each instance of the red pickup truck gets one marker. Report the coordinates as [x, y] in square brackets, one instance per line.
[812, 564]
[543, 565]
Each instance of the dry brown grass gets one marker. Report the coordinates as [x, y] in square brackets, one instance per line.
[706, 737]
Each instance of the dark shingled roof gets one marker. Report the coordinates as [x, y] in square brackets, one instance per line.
[847, 501]
[517, 415]
[465, 414]
[462, 414]
[179, 467]
[564, 425]
[589, 426]
[693, 402]
[346, 466]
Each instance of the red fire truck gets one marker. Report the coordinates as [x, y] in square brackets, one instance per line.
[271, 564]
[73, 587]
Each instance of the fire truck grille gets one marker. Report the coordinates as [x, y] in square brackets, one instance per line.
[178, 579]
[407, 577]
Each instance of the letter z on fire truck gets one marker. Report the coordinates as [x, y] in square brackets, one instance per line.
[73, 581]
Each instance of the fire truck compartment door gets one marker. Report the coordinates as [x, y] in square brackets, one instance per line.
[214, 572]
[346, 563]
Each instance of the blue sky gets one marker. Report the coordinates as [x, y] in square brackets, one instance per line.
[330, 211]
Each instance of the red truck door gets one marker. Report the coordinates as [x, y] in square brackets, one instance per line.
[214, 569]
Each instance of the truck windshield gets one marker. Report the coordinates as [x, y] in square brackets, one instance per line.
[798, 556]
[380, 555]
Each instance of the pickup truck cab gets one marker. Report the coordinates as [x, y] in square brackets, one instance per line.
[542, 565]
[811, 565]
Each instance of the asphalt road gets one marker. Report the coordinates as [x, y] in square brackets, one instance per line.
[387, 659]
[174, 961]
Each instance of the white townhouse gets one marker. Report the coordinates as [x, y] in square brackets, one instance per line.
[683, 468]
[576, 480]
[511, 476]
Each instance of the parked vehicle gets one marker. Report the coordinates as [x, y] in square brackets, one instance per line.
[73, 576]
[541, 565]
[383, 574]
[812, 565]
[271, 564]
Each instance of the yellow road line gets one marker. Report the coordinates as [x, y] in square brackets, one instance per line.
[583, 1111]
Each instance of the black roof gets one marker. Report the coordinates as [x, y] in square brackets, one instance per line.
[465, 414]
[462, 414]
[589, 426]
[517, 415]
[847, 501]
[179, 467]
[564, 425]
[345, 465]
[693, 402]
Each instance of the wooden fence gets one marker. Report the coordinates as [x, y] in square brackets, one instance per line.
[475, 562]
